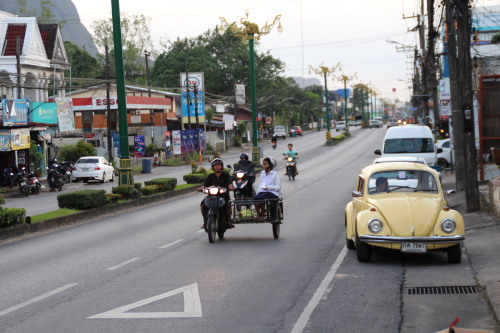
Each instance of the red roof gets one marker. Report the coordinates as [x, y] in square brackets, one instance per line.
[13, 32]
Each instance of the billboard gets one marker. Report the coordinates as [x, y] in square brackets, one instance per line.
[20, 138]
[15, 112]
[45, 113]
[5, 140]
[65, 115]
[189, 107]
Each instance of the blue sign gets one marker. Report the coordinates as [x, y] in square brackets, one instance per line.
[45, 113]
[139, 146]
[190, 105]
[15, 112]
[116, 142]
[343, 92]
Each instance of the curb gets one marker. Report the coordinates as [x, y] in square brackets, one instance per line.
[22, 229]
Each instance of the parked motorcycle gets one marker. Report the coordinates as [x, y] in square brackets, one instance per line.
[66, 168]
[243, 186]
[291, 168]
[34, 183]
[216, 216]
[55, 178]
[22, 181]
[274, 140]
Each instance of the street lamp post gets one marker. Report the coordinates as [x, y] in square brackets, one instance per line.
[250, 31]
[326, 71]
[126, 176]
[346, 78]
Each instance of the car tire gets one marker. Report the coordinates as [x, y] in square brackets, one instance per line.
[454, 254]
[363, 251]
[442, 163]
[112, 177]
[103, 177]
[349, 243]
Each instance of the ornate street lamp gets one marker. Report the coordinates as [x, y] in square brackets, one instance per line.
[345, 79]
[326, 71]
[250, 31]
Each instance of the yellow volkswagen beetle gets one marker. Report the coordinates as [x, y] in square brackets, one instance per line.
[401, 206]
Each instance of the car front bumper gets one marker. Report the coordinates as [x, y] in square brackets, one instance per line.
[399, 240]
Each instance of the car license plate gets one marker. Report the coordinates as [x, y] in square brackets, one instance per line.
[23, 183]
[68, 173]
[85, 169]
[414, 247]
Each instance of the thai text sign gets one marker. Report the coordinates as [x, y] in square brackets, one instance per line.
[45, 113]
[65, 114]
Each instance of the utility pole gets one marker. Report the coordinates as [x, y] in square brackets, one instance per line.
[424, 101]
[18, 66]
[431, 60]
[458, 32]
[108, 108]
[151, 118]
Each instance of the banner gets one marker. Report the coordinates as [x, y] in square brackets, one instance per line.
[228, 120]
[20, 138]
[139, 146]
[188, 107]
[15, 112]
[5, 140]
[240, 93]
[116, 142]
[176, 141]
[65, 114]
[193, 80]
[45, 113]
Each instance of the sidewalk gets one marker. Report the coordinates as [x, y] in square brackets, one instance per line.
[482, 239]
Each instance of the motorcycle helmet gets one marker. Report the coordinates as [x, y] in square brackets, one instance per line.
[216, 161]
[244, 156]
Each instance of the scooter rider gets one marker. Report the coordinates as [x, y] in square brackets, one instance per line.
[291, 153]
[221, 179]
[247, 166]
[274, 140]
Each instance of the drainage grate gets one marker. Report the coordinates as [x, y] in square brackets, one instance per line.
[447, 290]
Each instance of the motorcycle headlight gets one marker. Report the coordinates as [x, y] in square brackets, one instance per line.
[213, 190]
[240, 174]
[448, 225]
[375, 226]
[290, 159]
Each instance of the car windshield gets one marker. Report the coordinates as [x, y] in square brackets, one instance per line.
[87, 160]
[415, 145]
[402, 181]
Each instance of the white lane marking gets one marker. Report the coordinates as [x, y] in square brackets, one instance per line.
[313, 303]
[170, 244]
[36, 299]
[192, 306]
[122, 264]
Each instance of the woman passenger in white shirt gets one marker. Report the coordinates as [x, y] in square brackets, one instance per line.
[270, 186]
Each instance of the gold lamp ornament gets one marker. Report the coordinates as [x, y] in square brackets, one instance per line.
[250, 30]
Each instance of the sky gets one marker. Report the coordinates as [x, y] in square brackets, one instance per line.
[315, 32]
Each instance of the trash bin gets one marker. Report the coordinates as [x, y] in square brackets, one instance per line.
[146, 165]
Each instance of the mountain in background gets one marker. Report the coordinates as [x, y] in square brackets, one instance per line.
[63, 10]
[306, 82]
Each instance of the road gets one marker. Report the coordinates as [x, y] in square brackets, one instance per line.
[153, 270]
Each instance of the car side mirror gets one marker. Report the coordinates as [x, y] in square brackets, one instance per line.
[357, 194]
[439, 150]
[377, 152]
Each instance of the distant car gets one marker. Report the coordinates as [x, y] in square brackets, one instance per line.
[280, 131]
[375, 123]
[93, 168]
[392, 122]
[295, 130]
[444, 157]
[358, 123]
[340, 125]
[401, 206]
[352, 123]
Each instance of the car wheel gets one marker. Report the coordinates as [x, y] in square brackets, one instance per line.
[363, 251]
[349, 243]
[442, 163]
[112, 177]
[85, 180]
[103, 177]
[454, 254]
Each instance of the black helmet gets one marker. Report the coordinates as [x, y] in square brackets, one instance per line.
[244, 156]
[217, 161]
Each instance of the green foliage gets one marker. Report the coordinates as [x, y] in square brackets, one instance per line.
[36, 157]
[2, 200]
[53, 214]
[11, 216]
[152, 148]
[194, 178]
[112, 198]
[137, 186]
[74, 152]
[164, 184]
[124, 190]
[86, 199]
[194, 166]
[237, 141]
[202, 170]
[83, 65]
[150, 189]
[135, 194]
[495, 38]
[337, 139]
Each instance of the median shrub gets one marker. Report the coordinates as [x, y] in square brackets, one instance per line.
[124, 190]
[11, 216]
[164, 184]
[137, 186]
[86, 199]
[112, 198]
[149, 189]
[194, 178]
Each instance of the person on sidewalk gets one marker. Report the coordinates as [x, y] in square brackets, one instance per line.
[291, 153]
[270, 186]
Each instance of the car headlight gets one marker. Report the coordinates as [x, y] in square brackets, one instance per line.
[375, 226]
[448, 225]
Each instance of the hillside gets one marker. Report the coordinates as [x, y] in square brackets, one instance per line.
[73, 30]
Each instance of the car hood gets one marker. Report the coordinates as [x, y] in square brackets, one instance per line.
[409, 214]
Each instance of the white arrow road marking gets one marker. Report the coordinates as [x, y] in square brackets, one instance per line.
[122, 264]
[192, 306]
[313, 303]
[170, 244]
[36, 299]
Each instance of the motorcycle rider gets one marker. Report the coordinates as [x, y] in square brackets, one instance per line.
[249, 167]
[291, 153]
[221, 179]
[274, 140]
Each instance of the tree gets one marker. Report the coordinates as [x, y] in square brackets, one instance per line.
[36, 158]
[136, 38]
[83, 65]
[495, 38]
[73, 152]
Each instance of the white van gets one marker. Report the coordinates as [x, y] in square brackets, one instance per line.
[410, 140]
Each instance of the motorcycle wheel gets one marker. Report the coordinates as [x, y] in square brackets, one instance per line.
[294, 173]
[67, 179]
[59, 188]
[212, 228]
[36, 189]
[289, 171]
[26, 191]
[276, 230]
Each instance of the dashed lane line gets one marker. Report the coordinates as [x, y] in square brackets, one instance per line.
[171, 243]
[122, 264]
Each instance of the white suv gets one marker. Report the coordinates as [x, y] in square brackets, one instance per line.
[280, 131]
